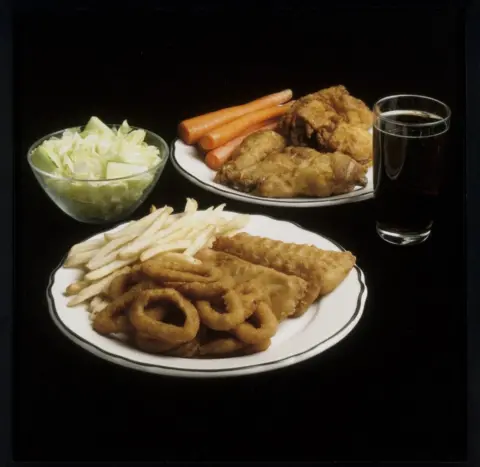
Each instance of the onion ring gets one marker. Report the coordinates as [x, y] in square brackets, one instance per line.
[158, 329]
[112, 320]
[223, 346]
[233, 316]
[169, 271]
[257, 348]
[249, 295]
[150, 345]
[122, 284]
[268, 325]
[187, 350]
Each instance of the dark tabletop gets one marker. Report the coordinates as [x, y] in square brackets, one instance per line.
[393, 389]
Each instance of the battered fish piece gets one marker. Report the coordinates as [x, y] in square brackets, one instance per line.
[323, 270]
[300, 171]
[282, 292]
[253, 149]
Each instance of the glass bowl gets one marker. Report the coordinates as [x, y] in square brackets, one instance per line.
[100, 201]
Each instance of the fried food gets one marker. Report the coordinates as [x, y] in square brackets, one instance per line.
[353, 141]
[224, 345]
[233, 315]
[201, 290]
[94, 288]
[157, 329]
[331, 120]
[113, 318]
[282, 292]
[218, 156]
[224, 300]
[75, 287]
[353, 110]
[221, 347]
[160, 233]
[250, 152]
[171, 271]
[263, 327]
[123, 282]
[300, 171]
[323, 270]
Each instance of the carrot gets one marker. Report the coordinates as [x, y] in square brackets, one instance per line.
[193, 129]
[219, 136]
[218, 156]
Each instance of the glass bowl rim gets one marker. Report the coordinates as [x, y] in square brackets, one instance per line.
[39, 141]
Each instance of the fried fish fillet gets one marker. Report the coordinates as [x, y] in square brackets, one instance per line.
[253, 149]
[323, 270]
[300, 171]
[281, 291]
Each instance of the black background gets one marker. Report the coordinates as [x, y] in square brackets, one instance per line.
[395, 389]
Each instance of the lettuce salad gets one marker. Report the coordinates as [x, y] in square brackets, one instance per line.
[91, 166]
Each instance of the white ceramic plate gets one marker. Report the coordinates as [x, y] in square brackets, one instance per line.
[323, 325]
[186, 159]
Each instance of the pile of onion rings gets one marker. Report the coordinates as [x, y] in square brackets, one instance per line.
[186, 310]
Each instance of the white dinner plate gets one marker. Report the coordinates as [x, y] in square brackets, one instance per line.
[324, 324]
[188, 162]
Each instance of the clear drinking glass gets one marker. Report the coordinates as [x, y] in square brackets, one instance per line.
[409, 136]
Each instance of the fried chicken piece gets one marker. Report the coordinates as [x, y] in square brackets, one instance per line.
[331, 120]
[300, 171]
[282, 292]
[315, 125]
[352, 110]
[353, 141]
[323, 270]
[253, 149]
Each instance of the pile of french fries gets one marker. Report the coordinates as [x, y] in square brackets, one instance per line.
[173, 236]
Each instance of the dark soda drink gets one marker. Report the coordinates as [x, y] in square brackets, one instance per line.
[407, 171]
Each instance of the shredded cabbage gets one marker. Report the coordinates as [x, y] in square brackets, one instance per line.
[97, 159]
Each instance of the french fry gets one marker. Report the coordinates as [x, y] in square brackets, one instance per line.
[97, 304]
[220, 207]
[108, 253]
[161, 233]
[163, 248]
[191, 206]
[87, 246]
[145, 243]
[75, 287]
[237, 223]
[136, 227]
[172, 256]
[145, 239]
[79, 259]
[108, 269]
[95, 289]
[200, 241]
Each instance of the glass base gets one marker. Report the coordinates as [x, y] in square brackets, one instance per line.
[397, 237]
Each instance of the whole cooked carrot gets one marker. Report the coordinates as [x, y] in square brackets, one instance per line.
[218, 156]
[225, 133]
[191, 130]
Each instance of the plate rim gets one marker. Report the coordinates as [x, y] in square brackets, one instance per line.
[192, 372]
[278, 202]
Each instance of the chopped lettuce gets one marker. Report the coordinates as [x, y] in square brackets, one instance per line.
[102, 171]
